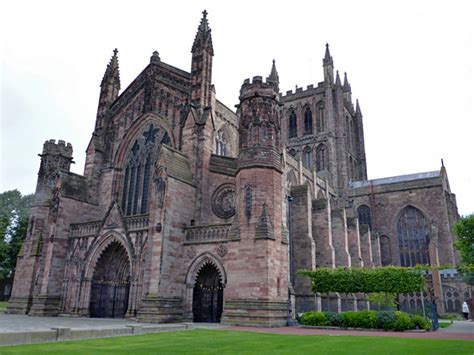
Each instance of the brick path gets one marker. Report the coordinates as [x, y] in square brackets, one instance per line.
[458, 332]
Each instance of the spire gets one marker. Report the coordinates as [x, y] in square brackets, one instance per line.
[327, 56]
[274, 78]
[358, 112]
[112, 74]
[338, 79]
[346, 86]
[203, 37]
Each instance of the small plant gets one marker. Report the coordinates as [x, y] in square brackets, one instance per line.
[403, 321]
[362, 319]
[386, 320]
[420, 322]
[334, 319]
[314, 319]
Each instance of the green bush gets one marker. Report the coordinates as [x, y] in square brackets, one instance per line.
[403, 321]
[386, 320]
[314, 319]
[420, 323]
[362, 319]
[334, 319]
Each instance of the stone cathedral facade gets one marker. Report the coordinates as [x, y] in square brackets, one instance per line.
[188, 210]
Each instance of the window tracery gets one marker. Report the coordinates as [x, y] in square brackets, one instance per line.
[413, 237]
[138, 168]
[292, 125]
[308, 121]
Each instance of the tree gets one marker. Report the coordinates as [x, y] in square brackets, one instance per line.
[14, 210]
[464, 230]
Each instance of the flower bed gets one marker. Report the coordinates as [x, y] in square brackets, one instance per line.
[385, 320]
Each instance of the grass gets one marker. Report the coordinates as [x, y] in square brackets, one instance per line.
[3, 306]
[201, 341]
[445, 323]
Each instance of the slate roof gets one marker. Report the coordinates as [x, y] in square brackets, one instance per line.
[395, 179]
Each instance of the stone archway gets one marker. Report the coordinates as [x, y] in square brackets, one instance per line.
[208, 295]
[110, 283]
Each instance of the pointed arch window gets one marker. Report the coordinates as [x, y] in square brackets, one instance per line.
[308, 121]
[221, 145]
[365, 217]
[321, 158]
[292, 125]
[320, 119]
[413, 237]
[138, 169]
[307, 158]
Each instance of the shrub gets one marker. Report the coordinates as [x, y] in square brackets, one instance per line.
[420, 323]
[314, 319]
[362, 319]
[403, 321]
[386, 320]
[334, 319]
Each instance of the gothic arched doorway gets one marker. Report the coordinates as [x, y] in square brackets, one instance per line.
[208, 295]
[111, 283]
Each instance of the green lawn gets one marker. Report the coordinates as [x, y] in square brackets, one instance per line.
[201, 341]
[445, 323]
[3, 306]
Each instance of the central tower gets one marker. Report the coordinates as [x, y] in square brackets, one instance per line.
[257, 291]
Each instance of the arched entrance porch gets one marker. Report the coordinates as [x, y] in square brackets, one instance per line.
[205, 283]
[110, 285]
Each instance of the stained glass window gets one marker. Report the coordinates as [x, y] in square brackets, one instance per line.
[413, 237]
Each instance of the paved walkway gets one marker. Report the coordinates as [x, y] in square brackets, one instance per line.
[460, 330]
[457, 331]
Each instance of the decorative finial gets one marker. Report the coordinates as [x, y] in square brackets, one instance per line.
[115, 51]
[442, 163]
[155, 58]
[204, 13]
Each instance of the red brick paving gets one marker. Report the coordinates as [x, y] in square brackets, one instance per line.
[337, 332]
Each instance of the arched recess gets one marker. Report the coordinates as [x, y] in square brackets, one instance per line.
[385, 250]
[206, 280]
[291, 178]
[413, 231]
[109, 270]
[137, 127]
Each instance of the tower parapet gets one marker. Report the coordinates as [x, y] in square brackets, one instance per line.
[259, 125]
[56, 157]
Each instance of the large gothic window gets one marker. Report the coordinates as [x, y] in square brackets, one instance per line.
[292, 126]
[307, 157]
[221, 148]
[320, 120]
[364, 215]
[413, 237]
[138, 169]
[308, 121]
[321, 158]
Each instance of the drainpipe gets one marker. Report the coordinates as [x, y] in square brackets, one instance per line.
[290, 257]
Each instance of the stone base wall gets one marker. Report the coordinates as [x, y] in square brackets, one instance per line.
[161, 310]
[45, 306]
[259, 313]
[19, 305]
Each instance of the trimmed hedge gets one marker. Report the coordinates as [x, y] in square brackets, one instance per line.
[389, 279]
[366, 319]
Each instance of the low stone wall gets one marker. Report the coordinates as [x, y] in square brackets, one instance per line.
[60, 334]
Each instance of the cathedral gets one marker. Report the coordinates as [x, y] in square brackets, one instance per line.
[189, 211]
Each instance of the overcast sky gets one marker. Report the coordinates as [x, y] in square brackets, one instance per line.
[410, 64]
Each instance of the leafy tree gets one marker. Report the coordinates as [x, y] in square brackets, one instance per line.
[464, 230]
[14, 210]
